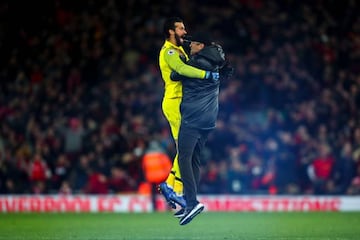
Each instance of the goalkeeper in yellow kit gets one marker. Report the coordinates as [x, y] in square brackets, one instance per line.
[170, 59]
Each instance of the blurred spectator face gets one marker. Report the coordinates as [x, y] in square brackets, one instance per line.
[286, 137]
[74, 123]
[65, 188]
[272, 145]
[255, 68]
[357, 135]
[324, 150]
[347, 150]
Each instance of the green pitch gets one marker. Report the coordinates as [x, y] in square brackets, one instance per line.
[163, 226]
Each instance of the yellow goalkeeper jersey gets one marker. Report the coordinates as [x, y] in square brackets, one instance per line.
[169, 60]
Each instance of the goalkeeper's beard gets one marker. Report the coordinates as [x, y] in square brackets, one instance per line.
[178, 40]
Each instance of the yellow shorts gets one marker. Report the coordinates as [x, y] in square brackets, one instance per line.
[171, 110]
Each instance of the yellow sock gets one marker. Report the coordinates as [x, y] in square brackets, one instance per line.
[178, 187]
[170, 181]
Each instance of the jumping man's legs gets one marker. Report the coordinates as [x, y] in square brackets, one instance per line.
[171, 110]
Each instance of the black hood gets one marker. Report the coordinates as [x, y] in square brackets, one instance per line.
[214, 54]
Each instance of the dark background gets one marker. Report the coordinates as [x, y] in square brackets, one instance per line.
[81, 94]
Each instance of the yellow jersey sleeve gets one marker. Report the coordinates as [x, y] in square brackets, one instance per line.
[172, 58]
[169, 60]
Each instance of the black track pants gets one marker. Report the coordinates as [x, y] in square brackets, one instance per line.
[190, 143]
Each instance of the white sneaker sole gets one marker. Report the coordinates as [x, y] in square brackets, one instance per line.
[181, 215]
[192, 214]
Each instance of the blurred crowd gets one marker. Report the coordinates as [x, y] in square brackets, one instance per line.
[81, 95]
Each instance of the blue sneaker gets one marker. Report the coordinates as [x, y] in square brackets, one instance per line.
[178, 199]
[170, 196]
[167, 192]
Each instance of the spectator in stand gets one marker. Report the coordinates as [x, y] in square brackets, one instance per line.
[97, 181]
[65, 188]
[39, 174]
[321, 169]
[120, 181]
[238, 174]
[354, 188]
[80, 174]
[344, 169]
[73, 135]
[286, 171]
[61, 172]
[210, 182]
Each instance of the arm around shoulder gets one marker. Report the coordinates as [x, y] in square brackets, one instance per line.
[172, 58]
